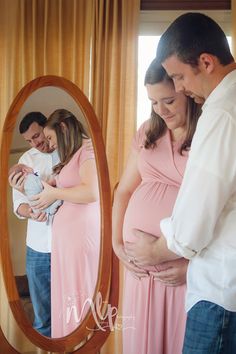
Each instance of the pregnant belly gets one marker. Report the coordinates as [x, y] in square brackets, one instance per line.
[77, 223]
[146, 209]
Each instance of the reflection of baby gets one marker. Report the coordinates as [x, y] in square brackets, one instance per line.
[33, 185]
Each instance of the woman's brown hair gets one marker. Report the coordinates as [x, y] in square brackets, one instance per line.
[156, 74]
[69, 132]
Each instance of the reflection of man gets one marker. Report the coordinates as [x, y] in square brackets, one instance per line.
[38, 241]
[195, 53]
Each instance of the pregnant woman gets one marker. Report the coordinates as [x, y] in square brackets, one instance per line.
[153, 300]
[76, 225]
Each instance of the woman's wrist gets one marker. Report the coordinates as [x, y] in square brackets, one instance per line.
[118, 249]
[56, 193]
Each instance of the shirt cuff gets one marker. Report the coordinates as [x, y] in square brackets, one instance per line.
[167, 230]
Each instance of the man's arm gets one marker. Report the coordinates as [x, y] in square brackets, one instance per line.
[25, 211]
[208, 184]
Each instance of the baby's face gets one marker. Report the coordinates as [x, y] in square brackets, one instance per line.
[27, 170]
[20, 168]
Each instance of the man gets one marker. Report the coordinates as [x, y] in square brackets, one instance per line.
[195, 53]
[38, 256]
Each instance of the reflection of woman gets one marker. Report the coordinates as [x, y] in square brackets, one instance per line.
[153, 302]
[76, 225]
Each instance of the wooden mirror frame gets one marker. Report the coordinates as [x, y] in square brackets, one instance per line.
[107, 282]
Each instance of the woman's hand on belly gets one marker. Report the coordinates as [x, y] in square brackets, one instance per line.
[128, 262]
[172, 273]
[142, 251]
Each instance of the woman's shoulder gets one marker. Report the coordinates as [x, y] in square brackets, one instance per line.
[140, 136]
[144, 126]
[85, 152]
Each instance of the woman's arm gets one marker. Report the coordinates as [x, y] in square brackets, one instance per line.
[128, 183]
[149, 250]
[86, 192]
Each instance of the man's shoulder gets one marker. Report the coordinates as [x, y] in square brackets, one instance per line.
[31, 155]
[27, 154]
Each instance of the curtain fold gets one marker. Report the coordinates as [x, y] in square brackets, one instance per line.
[90, 42]
[114, 77]
[114, 72]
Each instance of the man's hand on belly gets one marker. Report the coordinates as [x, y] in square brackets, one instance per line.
[172, 273]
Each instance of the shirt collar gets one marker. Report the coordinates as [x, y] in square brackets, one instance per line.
[220, 89]
[34, 151]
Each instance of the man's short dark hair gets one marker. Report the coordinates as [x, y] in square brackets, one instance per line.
[30, 118]
[192, 34]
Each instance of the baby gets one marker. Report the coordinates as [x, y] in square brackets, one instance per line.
[32, 186]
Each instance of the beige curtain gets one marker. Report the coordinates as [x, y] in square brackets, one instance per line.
[90, 42]
[42, 37]
[114, 77]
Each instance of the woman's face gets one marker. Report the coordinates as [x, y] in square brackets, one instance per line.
[170, 105]
[51, 137]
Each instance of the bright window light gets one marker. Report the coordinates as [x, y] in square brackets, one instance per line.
[147, 46]
[229, 38]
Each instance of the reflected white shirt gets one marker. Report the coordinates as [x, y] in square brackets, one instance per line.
[202, 227]
[38, 233]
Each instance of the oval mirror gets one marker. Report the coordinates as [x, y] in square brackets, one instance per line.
[96, 295]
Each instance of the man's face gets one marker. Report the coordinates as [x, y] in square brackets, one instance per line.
[186, 79]
[36, 138]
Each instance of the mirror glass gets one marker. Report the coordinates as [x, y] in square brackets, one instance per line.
[72, 229]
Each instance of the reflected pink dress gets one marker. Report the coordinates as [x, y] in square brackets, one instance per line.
[75, 252]
[153, 313]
